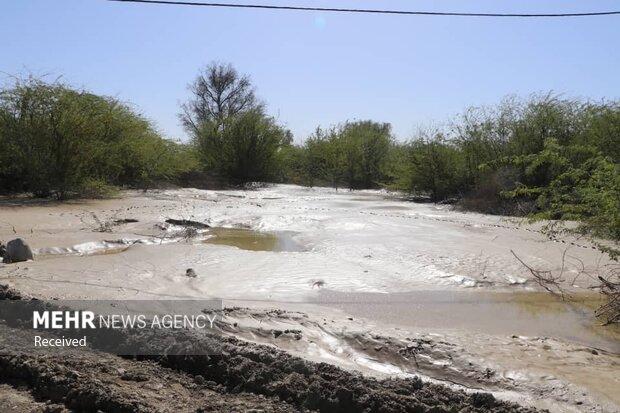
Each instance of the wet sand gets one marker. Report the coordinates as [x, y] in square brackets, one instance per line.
[535, 314]
[364, 261]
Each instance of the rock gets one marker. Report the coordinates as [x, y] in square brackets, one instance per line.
[191, 273]
[17, 251]
[125, 221]
[188, 223]
[483, 400]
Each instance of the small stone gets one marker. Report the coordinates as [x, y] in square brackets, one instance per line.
[191, 273]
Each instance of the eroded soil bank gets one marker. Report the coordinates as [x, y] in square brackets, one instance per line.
[362, 280]
[245, 377]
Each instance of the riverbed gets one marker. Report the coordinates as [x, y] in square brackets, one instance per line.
[367, 269]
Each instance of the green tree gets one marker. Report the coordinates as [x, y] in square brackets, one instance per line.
[324, 158]
[434, 168]
[233, 136]
[219, 92]
[244, 148]
[582, 185]
[60, 141]
[366, 146]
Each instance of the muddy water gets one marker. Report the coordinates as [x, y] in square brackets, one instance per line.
[244, 239]
[250, 240]
[505, 313]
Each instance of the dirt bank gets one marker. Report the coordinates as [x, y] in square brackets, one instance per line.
[245, 376]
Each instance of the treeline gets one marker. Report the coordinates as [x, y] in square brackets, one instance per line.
[545, 156]
[354, 155]
[57, 141]
[548, 156]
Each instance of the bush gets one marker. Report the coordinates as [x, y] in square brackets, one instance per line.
[56, 141]
[486, 196]
[354, 154]
[366, 146]
[434, 167]
[244, 148]
[95, 188]
[584, 186]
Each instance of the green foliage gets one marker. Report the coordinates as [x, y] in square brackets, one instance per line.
[354, 154]
[546, 157]
[581, 184]
[94, 188]
[232, 136]
[434, 167]
[366, 146]
[244, 148]
[323, 158]
[555, 158]
[291, 160]
[56, 140]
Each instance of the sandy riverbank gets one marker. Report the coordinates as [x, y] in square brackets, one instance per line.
[355, 271]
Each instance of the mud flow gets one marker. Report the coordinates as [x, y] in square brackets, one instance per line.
[242, 377]
[505, 313]
[379, 287]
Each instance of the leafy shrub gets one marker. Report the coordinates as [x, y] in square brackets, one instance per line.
[244, 148]
[93, 188]
[56, 141]
[354, 154]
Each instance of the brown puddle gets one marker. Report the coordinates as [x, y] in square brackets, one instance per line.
[509, 313]
[251, 240]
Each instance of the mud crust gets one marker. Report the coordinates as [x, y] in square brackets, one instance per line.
[257, 376]
[90, 381]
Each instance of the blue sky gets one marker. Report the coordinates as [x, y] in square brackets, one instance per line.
[318, 68]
